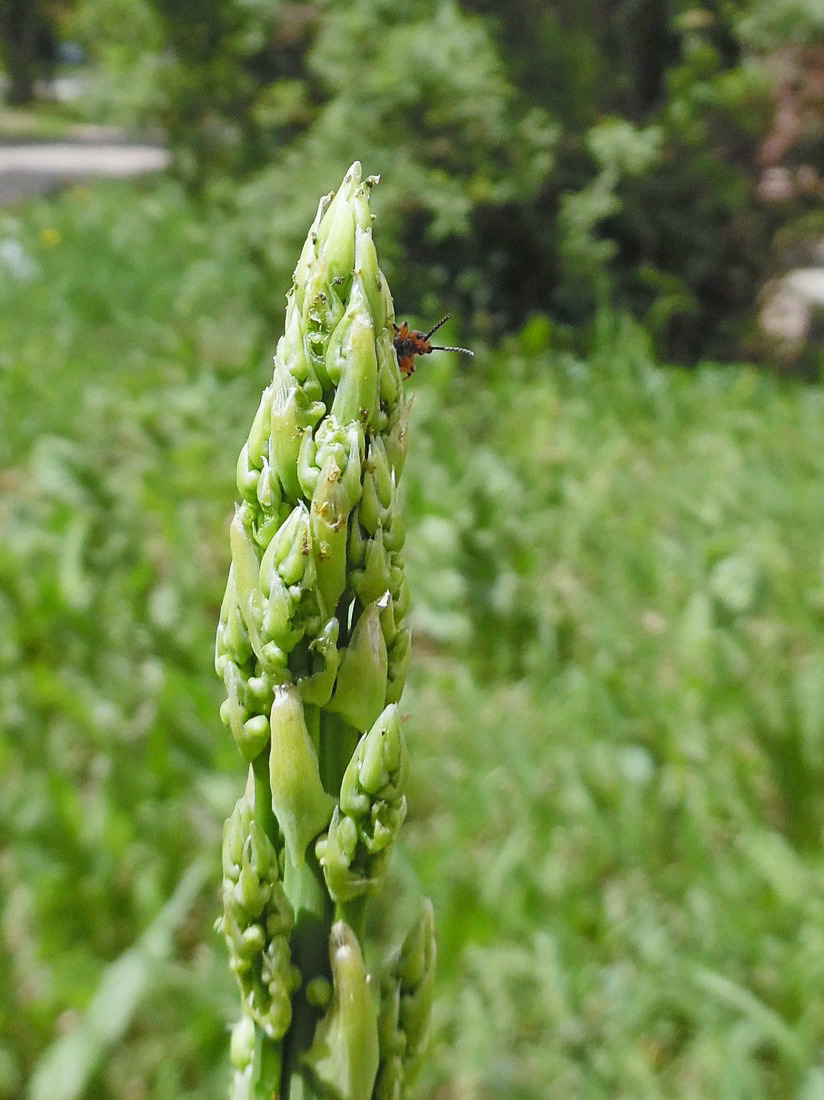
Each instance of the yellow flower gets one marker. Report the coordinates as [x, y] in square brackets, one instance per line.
[49, 236]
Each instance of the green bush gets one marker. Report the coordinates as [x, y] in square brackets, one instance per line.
[119, 345]
[547, 158]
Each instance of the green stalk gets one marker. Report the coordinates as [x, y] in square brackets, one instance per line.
[312, 647]
[304, 888]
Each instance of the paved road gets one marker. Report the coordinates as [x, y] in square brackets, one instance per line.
[35, 168]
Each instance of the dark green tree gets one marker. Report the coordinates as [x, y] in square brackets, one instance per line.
[546, 157]
[29, 46]
[235, 83]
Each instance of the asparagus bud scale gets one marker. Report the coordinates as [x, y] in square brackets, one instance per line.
[313, 648]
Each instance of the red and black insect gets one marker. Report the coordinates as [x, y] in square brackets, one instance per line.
[409, 343]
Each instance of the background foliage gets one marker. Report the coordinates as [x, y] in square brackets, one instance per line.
[616, 705]
[539, 156]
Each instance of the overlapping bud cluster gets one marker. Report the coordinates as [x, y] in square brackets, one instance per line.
[372, 806]
[313, 649]
[406, 1002]
[257, 920]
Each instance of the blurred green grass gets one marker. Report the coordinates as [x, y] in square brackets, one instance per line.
[41, 121]
[616, 704]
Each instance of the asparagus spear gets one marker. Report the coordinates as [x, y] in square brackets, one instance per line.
[313, 648]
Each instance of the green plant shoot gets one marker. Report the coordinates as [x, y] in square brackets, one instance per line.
[313, 649]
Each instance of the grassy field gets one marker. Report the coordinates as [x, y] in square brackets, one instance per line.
[616, 703]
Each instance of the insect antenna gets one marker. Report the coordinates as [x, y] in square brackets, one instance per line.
[464, 351]
[435, 328]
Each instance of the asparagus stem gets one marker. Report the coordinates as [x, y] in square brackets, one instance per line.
[266, 1066]
[337, 743]
[312, 647]
[310, 902]
[263, 798]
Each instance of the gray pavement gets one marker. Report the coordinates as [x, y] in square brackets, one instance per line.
[28, 169]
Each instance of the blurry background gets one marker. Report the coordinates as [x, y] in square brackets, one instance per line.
[615, 524]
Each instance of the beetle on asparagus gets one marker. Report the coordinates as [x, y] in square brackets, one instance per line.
[409, 343]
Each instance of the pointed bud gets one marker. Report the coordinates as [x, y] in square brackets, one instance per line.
[232, 713]
[336, 233]
[246, 476]
[269, 495]
[245, 574]
[377, 488]
[335, 851]
[372, 581]
[389, 624]
[366, 266]
[235, 830]
[291, 549]
[291, 350]
[266, 526]
[398, 664]
[254, 736]
[352, 363]
[343, 1058]
[389, 375]
[243, 1043]
[370, 514]
[401, 592]
[395, 438]
[378, 768]
[316, 687]
[343, 443]
[395, 530]
[361, 684]
[308, 469]
[292, 412]
[301, 805]
[322, 313]
[279, 623]
[279, 980]
[382, 472]
[250, 895]
[257, 919]
[232, 641]
[351, 480]
[391, 1075]
[356, 547]
[360, 205]
[329, 513]
[416, 970]
[309, 252]
[355, 852]
[258, 441]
